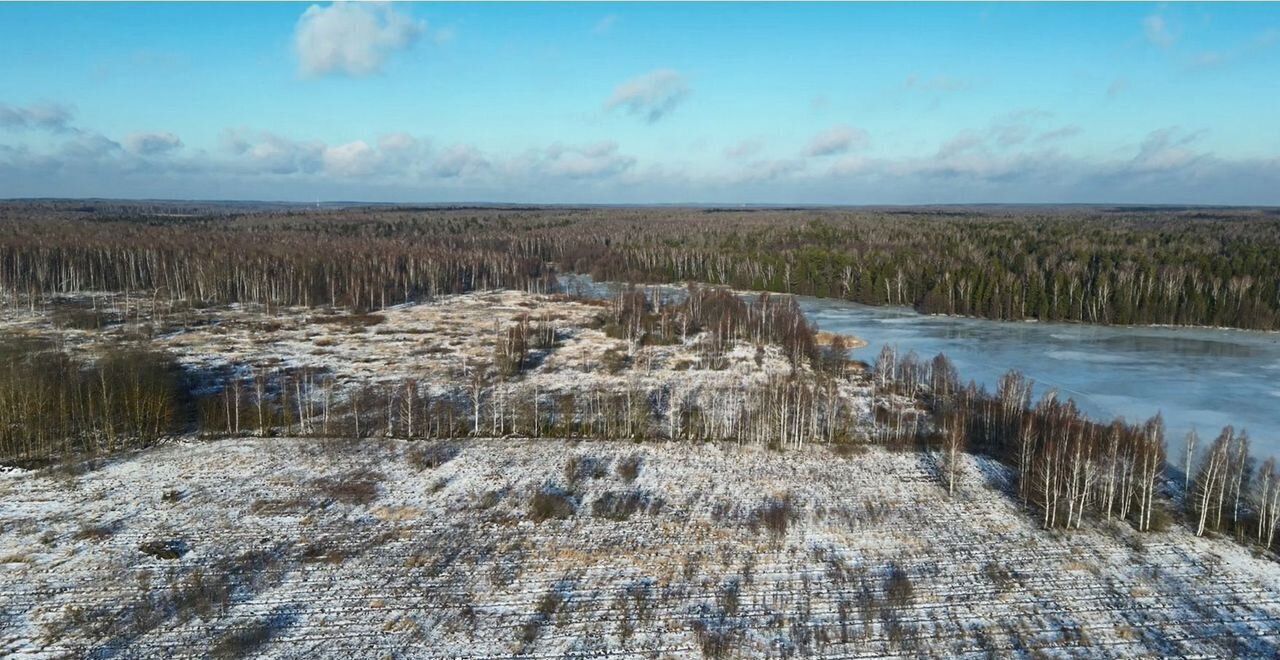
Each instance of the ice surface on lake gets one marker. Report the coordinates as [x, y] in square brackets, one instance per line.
[1201, 378]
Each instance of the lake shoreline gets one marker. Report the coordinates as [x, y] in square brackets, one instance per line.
[907, 308]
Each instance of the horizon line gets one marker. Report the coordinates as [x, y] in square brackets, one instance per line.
[681, 204]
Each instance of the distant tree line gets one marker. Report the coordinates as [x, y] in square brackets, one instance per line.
[1215, 267]
[184, 263]
[1158, 268]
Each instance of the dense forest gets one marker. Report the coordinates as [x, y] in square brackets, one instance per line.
[1214, 267]
[1122, 267]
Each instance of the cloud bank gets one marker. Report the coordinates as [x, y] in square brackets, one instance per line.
[152, 143]
[1021, 156]
[45, 116]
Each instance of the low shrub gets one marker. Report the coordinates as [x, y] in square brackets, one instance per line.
[774, 515]
[898, 589]
[431, 456]
[580, 467]
[242, 642]
[621, 506]
[628, 468]
[358, 487]
[615, 361]
[551, 502]
[170, 549]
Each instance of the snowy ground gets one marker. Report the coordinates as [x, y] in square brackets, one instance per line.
[308, 548]
[436, 343]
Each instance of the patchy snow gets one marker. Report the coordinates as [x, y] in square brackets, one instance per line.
[436, 343]
[305, 548]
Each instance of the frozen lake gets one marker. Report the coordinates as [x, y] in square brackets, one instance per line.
[1198, 378]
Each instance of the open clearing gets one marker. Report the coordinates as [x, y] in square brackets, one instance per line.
[551, 548]
[438, 344]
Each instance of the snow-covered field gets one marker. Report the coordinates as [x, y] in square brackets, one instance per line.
[437, 344]
[310, 548]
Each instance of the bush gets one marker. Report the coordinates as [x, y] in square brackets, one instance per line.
[359, 487]
[362, 320]
[552, 502]
[628, 468]
[581, 467]
[774, 515]
[717, 638]
[95, 532]
[171, 549]
[847, 449]
[548, 605]
[615, 361]
[898, 589]
[80, 318]
[621, 506]
[432, 456]
[242, 642]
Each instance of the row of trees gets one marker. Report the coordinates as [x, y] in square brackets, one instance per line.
[775, 412]
[1225, 493]
[1070, 468]
[1065, 464]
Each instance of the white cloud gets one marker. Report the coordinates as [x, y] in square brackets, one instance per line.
[91, 146]
[1166, 149]
[837, 140]
[351, 159]
[150, 144]
[772, 170]
[1207, 60]
[1158, 30]
[401, 148]
[352, 39]
[1015, 127]
[47, 116]
[591, 161]
[961, 143]
[651, 95]
[459, 160]
[852, 166]
[1168, 165]
[268, 152]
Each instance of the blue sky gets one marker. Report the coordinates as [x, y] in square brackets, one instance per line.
[634, 103]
